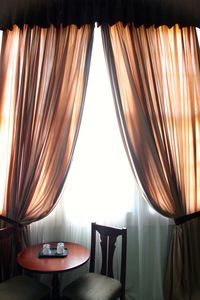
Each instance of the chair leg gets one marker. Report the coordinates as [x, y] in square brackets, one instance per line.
[46, 297]
[122, 297]
[49, 297]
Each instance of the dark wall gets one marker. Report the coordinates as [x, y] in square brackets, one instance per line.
[79, 12]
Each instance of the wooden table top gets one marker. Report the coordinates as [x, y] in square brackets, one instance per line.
[77, 256]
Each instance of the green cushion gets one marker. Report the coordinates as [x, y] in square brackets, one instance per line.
[92, 286]
[22, 288]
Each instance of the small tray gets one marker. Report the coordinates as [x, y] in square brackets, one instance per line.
[53, 253]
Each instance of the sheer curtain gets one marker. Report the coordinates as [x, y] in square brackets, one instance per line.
[100, 187]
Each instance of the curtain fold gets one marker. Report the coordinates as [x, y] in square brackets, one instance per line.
[43, 78]
[155, 78]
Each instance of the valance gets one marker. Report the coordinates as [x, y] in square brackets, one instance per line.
[141, 12]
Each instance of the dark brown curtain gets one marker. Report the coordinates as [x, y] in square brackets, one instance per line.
[43, 77]
[155, 75]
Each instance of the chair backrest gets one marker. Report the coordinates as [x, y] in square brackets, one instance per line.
[8, 247]
[108, 237]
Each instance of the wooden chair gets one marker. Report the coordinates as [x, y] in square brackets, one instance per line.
[18, 287]
[103, 286]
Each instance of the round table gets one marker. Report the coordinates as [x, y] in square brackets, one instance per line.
[29, 259]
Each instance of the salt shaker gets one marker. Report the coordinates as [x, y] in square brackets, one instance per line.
[46, 249]
[60, 248]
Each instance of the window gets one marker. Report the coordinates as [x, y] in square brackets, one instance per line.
[99, 177]
[100, 184]
[100, 174]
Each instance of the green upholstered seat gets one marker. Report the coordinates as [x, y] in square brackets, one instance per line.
[92, 286]
[22, 288]
[103, 286]
[18, 287]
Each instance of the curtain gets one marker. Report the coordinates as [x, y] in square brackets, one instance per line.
[43, 76]
[100, 187]
[155, 78]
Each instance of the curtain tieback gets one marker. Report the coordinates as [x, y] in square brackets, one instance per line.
[185, 218]
[11, 221]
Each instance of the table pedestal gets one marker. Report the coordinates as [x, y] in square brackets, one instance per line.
[55, 286]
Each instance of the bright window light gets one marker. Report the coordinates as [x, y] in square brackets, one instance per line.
[198, 34]
[100, 183]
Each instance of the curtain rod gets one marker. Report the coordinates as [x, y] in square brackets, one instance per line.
[45, 13]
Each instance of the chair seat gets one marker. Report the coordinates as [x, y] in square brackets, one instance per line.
[22, 288]
[92, 286]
